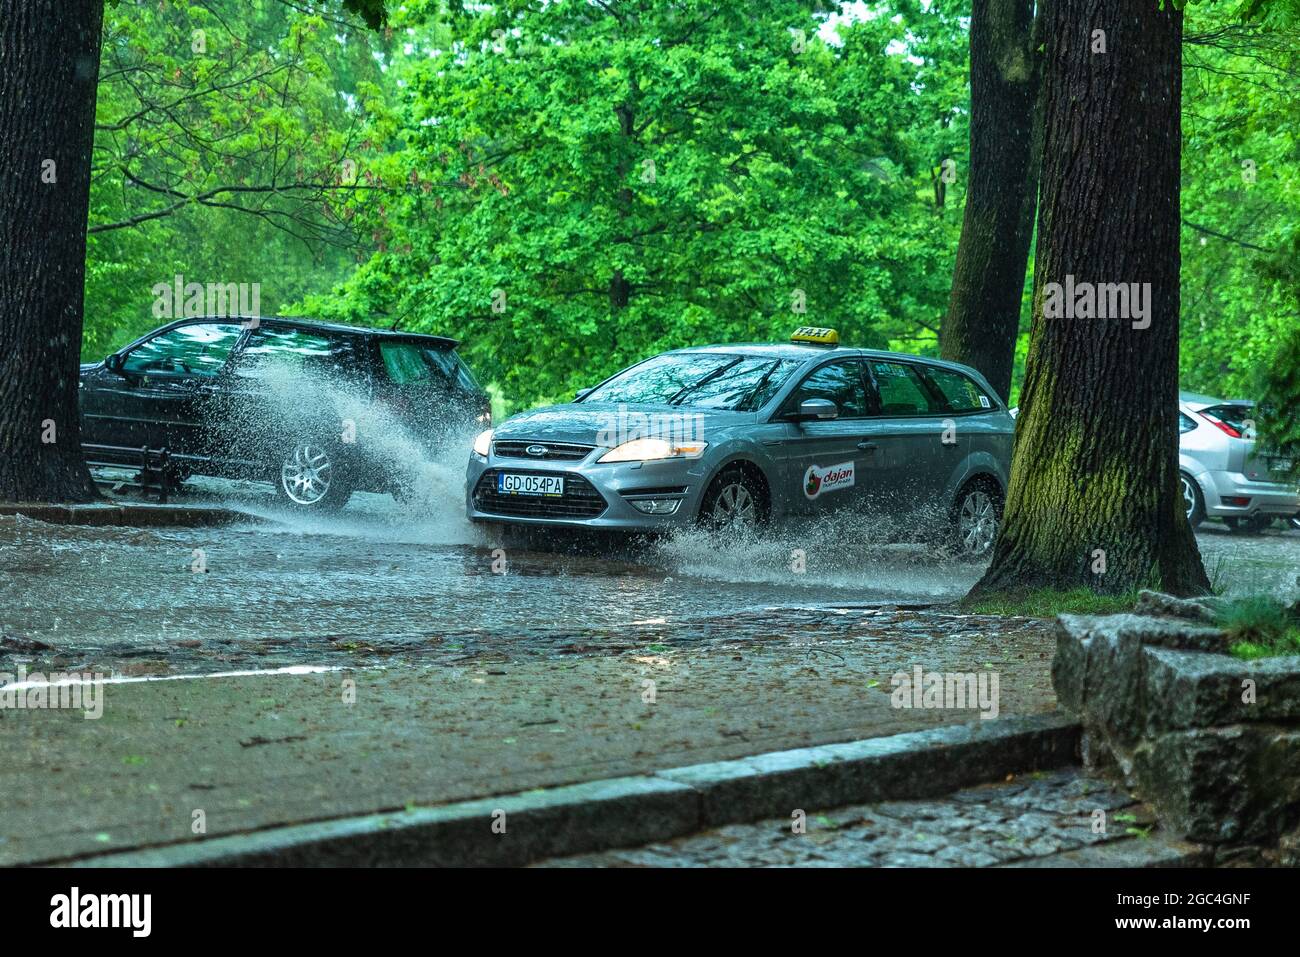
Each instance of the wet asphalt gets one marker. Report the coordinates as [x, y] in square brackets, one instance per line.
[387, 579]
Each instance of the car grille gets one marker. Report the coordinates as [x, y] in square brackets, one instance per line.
[580, 499]
[555, 451]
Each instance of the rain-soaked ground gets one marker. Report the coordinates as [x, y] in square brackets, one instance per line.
[381, 579]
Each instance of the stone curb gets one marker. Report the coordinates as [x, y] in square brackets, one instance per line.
[141, 515]
[621, 812]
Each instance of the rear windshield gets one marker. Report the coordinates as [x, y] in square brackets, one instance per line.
[709, 380]
[1236, 416]
[410, 363]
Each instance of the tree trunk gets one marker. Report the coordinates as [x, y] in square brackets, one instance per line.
[49, 67]
[1093, 500]
[989, 277]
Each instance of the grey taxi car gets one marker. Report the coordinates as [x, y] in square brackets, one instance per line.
[729, 435]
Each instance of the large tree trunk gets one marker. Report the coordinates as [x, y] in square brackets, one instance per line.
[1094, 479]
[49, 66]
[989, 278]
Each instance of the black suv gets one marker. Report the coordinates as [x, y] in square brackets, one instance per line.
[319, 410]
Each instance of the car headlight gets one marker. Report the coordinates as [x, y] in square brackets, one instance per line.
[644, 450]
[483, 443]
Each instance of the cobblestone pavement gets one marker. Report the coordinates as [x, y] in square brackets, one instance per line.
[1028, 817]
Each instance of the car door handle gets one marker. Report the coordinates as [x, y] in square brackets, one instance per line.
[867, 445]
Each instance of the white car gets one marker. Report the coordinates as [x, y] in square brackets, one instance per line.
[1220, 474]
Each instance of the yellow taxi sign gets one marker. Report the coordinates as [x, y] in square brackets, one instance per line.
[816, 335]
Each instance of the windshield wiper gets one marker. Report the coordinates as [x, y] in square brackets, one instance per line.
[676, 397]
[744, 406]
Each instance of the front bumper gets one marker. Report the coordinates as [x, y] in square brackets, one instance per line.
[595, 497]
[1264, 498]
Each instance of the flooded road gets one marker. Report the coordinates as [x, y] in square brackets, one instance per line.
[383, 579]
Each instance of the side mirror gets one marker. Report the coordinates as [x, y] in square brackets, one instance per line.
[581, 394]
[113, 363]
[816, 410]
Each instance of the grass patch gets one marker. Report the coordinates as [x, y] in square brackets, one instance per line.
[1259, 627]
[1050, 602]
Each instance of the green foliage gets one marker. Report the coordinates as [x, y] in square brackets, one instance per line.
[1279, 402]
[628, 176]
[592, 185]
[221, 135]
[1240, 198]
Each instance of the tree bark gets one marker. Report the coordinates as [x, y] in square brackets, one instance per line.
[49, 67]
[1093, 499]
[988, 281]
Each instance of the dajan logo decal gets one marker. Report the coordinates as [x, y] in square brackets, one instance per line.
[818, 480]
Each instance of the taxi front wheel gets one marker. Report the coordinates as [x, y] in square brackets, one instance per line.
[734, 500]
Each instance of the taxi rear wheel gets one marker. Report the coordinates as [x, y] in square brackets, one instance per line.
[734, 500]
[976, 517]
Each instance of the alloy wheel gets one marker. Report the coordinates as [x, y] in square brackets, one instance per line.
[735, 507]
[305, 474]
[977, 523]
[1189, 495]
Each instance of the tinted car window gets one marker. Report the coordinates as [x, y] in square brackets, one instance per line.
[901, 390]
[1185, 423]
[963, 394]
[840, 382]
[198, 349]
[271, 348]
[410, 362]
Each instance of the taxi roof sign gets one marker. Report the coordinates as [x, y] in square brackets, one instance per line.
[816, 335]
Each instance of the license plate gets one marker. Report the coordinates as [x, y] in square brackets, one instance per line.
[1280, 465]
[510, 483]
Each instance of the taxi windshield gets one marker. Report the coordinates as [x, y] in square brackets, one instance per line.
[711, 380]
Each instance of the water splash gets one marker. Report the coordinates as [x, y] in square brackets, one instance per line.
[421, 452]
[867, 553]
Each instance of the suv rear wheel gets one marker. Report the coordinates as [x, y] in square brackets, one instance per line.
[311, 477]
